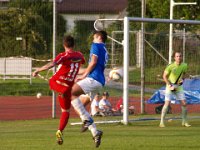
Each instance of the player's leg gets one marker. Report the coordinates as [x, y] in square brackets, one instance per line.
[83, 87]
[184, 114]
[181, 96]
[163, 113]
[65, 103]
[78, 105]
[85, 99]
[168, 97]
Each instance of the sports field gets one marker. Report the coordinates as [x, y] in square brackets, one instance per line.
[31, 131]
[138, 135]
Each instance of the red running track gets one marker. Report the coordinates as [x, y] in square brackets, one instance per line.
[29, 107]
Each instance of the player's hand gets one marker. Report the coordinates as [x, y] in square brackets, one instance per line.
[79, 78]
[180, 82]
[35, 73]
[173, 87]
[108, 79]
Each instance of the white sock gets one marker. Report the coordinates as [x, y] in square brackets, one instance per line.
[184, 114]
[163, 114]
[93, 129]
[78, 106]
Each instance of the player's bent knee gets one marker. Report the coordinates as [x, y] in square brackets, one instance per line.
[85, 99]
[183, 103]
[65, 110]
[76, 91]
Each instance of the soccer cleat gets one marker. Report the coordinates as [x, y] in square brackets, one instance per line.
[59, 137]
[162, 125]
[86, 124]
[186, 125]
[97, 138]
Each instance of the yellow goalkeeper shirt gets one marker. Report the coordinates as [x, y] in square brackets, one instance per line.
[173, 71]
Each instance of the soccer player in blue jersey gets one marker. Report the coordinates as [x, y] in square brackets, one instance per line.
[90, 81]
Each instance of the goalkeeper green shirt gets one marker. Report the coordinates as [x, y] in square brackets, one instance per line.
[173, 71]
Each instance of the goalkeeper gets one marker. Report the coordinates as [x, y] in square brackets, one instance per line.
[173, 76]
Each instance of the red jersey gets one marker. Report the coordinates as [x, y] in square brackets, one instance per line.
[119, 103]
[69, 64]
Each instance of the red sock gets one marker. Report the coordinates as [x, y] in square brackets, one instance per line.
[64, 104]
[63, 120]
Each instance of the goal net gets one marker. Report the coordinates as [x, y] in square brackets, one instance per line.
[141, 46]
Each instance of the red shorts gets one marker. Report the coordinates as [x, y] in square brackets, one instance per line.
[64, 95]
[58, 87]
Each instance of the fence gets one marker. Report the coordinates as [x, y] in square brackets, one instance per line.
[16, 68]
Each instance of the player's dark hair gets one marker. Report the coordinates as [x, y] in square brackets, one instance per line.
[105, 93]
[68, 41]
[173, 55]
[102, 34]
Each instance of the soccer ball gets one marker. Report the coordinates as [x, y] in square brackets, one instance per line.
[114, 75]
[39, 95]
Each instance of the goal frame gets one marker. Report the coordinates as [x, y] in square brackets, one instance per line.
[125, 44]
[126, 52]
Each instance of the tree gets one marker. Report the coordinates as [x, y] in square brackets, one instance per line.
[161, 9]
[19, 23]
[134, 8]
[42, 28]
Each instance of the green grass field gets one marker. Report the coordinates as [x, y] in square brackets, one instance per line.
[138, 135]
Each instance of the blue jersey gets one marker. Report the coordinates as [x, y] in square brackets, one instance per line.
[99, 50]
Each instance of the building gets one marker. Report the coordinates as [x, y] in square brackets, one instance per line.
[90, 10]
[4, 3]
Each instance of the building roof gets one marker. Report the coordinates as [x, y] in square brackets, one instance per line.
[91, 6]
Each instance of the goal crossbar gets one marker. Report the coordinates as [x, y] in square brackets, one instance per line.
[174, 21]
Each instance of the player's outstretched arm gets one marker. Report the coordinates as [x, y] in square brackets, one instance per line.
[45, 67]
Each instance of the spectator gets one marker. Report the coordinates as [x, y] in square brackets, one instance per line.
[104, 104]
[119, 107]
[95, 111]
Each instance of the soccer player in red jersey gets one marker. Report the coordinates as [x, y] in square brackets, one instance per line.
[62, 81]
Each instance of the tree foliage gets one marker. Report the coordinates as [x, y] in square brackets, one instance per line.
[158, 32]
[17, 23]
[32, 21]
[161, 9]
[134, 8]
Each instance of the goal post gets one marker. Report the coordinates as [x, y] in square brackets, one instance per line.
[126, 52]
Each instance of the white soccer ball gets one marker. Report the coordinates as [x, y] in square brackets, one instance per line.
[170, 120]
[114, 75]
[39, 95]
